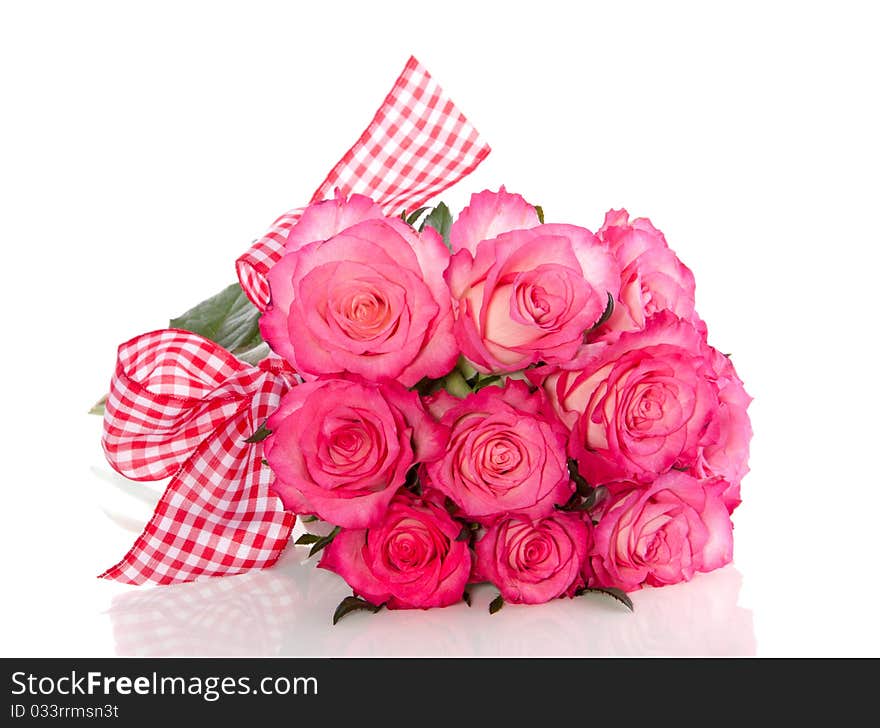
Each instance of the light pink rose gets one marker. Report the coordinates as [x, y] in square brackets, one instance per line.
[341, 447]
[409, 560]
[322, 220]
[643, 404]
[532, 562]
[530, 295]
[662, 534]
[728, 457]
[489, 215]
[653, 279]
[506, 453]
[371, 300]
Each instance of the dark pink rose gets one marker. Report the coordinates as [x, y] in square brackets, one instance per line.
[489, 215]
[645, 403]
[409, 560]
[370, 300]
[530, 295]
[506, 453]
[653, 279]
[663, 533]
[340, 447]
[534, 561]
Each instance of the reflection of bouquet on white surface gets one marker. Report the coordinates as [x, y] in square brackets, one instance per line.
[489, 397]
[282, 611]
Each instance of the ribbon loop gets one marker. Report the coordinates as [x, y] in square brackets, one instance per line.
[171, 388]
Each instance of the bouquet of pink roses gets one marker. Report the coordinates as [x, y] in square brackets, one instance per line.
[489, 398]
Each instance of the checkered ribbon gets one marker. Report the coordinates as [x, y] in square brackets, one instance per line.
[416, 146]
[182, 406]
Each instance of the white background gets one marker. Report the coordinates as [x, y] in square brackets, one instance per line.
[144, 146]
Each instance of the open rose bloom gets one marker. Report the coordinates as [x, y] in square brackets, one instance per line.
[503, 400]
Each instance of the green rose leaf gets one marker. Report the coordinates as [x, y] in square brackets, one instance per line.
[540, 212]
[412, 218]
[306, 539]
[229, 319]
[323, 542]
[611, 591]
[261, 434]
[441, 220]
[606, 314]
[98, 407]
[353, 604]
[496, 604]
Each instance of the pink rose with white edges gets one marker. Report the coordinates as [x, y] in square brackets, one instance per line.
[526, 295]
[728, 457]
[648, 402]
[653, 279]
[663, 533]
[408, 560]
[489, 215]
[341, 447]
[506, 453]
[370, 300]
[534, 561]
[322, 220]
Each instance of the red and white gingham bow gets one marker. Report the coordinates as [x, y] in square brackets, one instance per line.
[182, 406]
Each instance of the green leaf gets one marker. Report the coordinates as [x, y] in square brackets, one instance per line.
[606, 314]
[308, 519]
[456, 384]
[441, 220]
[229, 319]
[413, 217]
[582, 486]
[412, 482]
[353, 604]
[486, 382]
[464, 534]
[323, 542]
[540, 211]
[98, 407]
[261, 434]
[306, 539]
[611, 591]
[496, 604]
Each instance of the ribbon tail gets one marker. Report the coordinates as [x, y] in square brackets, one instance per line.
[217, 515]
[417, 144]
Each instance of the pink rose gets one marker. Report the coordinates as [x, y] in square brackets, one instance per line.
[641, 405]
[530, 295]
[322, 220]
[653, 279]
[489, 215]
[728, 457]
[371, 300]
[532, 562]
[409, 560]
[341, 447]
[662, 534]
[506, 453]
